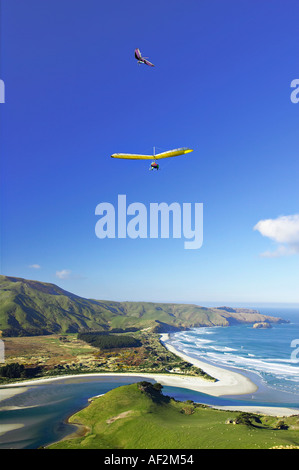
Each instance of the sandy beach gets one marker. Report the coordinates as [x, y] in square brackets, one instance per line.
[228, 382]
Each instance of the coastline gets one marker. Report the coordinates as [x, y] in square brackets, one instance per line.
[228, 383]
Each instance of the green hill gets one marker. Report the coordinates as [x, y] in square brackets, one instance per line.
[139, 416]
[35, 308]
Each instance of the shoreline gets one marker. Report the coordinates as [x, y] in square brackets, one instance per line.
[228, 383]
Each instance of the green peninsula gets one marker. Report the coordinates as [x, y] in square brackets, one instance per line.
[139, 416]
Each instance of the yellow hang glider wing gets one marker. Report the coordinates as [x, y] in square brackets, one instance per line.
[169, 153]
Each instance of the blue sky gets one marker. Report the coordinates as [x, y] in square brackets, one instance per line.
[75, 95]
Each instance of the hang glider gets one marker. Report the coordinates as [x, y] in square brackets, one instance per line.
[142, 60]
[158, 156]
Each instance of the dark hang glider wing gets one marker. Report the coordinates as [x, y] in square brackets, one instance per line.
[147, 62]
[138, 55]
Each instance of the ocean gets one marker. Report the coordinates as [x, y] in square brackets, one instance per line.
[269, 356]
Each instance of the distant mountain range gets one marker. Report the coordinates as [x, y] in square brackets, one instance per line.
[37, 308]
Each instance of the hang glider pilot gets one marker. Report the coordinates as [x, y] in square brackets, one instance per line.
[154, 166]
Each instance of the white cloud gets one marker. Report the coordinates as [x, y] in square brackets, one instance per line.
[63, 274]
[280, 251]
[284, 231]
[34, 266]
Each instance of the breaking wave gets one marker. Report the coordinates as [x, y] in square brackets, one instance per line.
[266, 352]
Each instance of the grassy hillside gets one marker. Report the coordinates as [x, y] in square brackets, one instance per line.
[139, 417]
[35, 308]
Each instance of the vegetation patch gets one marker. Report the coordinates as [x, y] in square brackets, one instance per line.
[16, 370]
[109, 341]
